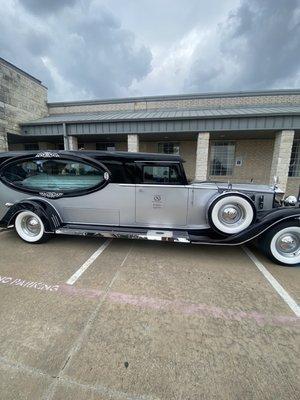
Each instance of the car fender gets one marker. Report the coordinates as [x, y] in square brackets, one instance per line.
[264, 222]
[43, 209]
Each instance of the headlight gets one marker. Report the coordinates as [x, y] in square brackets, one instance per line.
[290, 201]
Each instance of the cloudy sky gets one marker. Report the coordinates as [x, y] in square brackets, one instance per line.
[85, 49]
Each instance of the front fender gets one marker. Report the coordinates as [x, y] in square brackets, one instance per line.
[265, 220]
[43, 209]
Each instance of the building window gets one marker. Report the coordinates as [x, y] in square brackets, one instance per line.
[168, 148]
[105, 146]
[222, 158]
[31, 146]
[294, 169]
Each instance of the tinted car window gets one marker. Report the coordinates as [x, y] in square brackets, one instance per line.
[161, 174]
[53, 175]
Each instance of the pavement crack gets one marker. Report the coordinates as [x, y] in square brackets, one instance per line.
[48, 395]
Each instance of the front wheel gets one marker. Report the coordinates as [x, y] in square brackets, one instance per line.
[282, 244]
[30, 227]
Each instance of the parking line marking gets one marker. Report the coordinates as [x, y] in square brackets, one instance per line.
[276, 285]
[49, 394]
[88, 262]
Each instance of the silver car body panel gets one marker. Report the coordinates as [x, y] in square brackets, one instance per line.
[141, 205]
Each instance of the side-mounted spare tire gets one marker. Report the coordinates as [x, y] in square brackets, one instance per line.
[231, 213]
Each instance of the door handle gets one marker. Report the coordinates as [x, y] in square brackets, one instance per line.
[140, 190]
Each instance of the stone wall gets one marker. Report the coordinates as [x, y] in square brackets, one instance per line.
[281, 157]
[293, 185]
[165, 103]
[22, 98]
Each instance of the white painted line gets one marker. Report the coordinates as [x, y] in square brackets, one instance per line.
[276, 285]
[88, 262]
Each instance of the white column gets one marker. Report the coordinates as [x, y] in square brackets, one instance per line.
[281, 157]
[202, 156]
[133, 143]
[73, 143]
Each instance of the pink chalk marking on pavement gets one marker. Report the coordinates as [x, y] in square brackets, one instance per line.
[83, 292]
[152, 303]
[201, 310]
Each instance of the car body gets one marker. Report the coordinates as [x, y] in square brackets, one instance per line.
[138, 195]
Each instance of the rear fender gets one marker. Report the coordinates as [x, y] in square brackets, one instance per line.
[43, 209]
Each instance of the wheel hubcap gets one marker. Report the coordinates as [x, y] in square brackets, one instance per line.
[31, 226]
[288, 244]
[231, 214]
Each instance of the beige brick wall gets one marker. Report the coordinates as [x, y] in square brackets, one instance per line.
[21, 99]
[174, 104]
[16, 147]
[256, 161]
[292, 187]
[120, 146]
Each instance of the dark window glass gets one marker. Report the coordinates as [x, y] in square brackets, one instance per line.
[168, 148]
[161, 174]
[31, 146]
[294, 169]
[53, 175]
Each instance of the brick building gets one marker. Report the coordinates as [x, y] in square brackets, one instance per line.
[237, 137]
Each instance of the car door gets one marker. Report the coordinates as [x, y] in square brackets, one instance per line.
[161, 195]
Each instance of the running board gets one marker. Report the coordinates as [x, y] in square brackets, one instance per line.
[167, 236]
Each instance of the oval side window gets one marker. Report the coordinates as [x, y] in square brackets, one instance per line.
[64, 176]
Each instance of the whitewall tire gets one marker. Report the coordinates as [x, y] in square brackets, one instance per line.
[30, 227]
[231, 213]
[282, 244]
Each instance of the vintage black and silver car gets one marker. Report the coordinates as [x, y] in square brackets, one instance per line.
[141, 196]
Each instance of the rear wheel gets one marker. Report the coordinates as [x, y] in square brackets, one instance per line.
[30, 227]
[282, 244]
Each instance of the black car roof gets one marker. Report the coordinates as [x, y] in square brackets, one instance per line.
[113, 155]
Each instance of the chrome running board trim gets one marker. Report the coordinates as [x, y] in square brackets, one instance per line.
[166, 236]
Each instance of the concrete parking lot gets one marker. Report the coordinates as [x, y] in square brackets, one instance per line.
[90, 319]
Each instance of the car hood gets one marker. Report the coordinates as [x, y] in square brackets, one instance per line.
[240, 187]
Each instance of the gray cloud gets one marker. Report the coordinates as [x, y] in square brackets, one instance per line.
[42, 7]
[257, 47]
[78, 52]
[84, 49]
